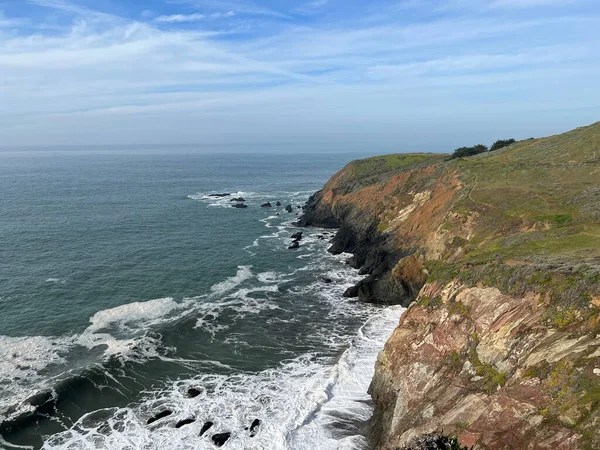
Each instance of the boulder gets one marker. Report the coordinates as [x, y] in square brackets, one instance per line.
[254, 427]
[40, 398]
[266, 205]
[295, 245]
[160, 415]
[207, 426]
[239, 205]
[351, 292]
[288, 208]
[193, 392]
[184, 422]
[220, 439]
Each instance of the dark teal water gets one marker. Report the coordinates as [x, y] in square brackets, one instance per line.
[122, 284]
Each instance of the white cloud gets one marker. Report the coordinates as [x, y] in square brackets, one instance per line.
[179, 18]
[528, 3]
[112, 79]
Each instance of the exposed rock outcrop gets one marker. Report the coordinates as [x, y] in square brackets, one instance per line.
[502, 254]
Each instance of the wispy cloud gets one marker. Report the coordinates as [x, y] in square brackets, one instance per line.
[179, 18]
[311, 7]
[182, 18]
[266, 74]
[529, 3]
[237, 6]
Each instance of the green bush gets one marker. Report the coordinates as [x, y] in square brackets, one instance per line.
[469, 151]
[501, 144]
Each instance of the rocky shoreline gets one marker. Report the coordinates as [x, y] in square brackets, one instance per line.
[373, 254]
[500, 345]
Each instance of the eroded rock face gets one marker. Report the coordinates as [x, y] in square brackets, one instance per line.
[481, 365]
[502, 347]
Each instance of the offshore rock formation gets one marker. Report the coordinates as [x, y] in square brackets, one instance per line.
[499, 257]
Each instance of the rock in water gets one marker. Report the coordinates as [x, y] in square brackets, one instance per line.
[254, 427]
[288, 208]
[239, 199]
[351, 292]
[220, 439]
[278, 204]
[294, 245]
[40, 398]
[207, 426]
[160, 415]
[220, 195]
[239, 205]
[184, 422]
[266, 205]
[297, 236]
[326, 280]
[193, 392]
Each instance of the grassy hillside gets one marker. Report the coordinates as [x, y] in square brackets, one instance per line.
[523, 220]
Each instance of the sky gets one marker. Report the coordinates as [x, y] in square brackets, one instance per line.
[395, 75]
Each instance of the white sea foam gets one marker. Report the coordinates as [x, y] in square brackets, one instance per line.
[303, 404]
[21, 361]
[24, 360]
[141, 313]
[55, 280]
[244, 273]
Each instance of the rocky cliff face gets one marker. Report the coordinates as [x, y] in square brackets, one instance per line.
[499, 258]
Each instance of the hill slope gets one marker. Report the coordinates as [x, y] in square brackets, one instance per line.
[501, 252]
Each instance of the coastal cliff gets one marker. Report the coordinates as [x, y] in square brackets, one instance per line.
[498, 256]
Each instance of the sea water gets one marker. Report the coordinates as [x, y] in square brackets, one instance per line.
[124, 283]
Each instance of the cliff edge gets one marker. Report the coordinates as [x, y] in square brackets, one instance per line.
[498, 256]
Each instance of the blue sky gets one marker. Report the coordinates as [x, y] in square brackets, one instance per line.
[333, 74]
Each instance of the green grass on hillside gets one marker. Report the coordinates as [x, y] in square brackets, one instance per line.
[378, 165]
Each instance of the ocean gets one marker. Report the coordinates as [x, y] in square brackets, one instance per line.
[127, 290]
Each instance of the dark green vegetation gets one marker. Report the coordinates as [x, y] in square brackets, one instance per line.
[464, 152]
[435, 442]
[501, 144]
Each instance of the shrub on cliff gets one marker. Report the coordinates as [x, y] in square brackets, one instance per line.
[501, 144]
[469, 151]
[434, 442]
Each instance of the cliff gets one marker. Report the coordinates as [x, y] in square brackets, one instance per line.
[498, 256]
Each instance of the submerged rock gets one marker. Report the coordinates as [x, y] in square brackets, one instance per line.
[239, 199]
[351, 292]
[254, 427]
[160, 415]
[294, 245]
[239, 205]
[184, 422]
[207, 426]
[39, 399]
[193, 392]
[220, 439]
[226, 194]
